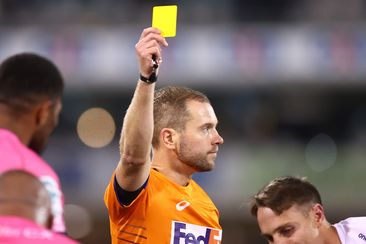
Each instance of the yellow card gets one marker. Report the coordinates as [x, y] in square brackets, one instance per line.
[164, 18]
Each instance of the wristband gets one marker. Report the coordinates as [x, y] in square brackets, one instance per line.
[152, 78]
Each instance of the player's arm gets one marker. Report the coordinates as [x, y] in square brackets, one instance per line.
[137, 131]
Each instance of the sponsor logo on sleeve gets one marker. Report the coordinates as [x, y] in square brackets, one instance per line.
[184, 233]
[362, 236]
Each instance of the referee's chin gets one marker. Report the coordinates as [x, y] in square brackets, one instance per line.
[205, 166]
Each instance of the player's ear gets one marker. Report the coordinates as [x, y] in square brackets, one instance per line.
[169, 137]
[42, 112]
[318, 212]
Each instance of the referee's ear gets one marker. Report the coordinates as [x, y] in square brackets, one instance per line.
[169, 137]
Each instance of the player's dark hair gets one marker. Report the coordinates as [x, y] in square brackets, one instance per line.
[284, 192]
[27, 78]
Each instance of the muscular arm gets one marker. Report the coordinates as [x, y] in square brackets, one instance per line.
[135, 143]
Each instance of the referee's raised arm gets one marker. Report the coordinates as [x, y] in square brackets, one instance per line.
[137, 131]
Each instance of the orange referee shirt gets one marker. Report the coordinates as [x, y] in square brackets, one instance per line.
[164, 212]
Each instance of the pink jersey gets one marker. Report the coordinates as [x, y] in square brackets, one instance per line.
[15, 155]
[17, 230]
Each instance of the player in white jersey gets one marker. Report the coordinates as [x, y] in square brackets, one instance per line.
[289, 211]
[352, 230]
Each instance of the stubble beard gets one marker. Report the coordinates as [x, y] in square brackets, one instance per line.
[40, 137]
[199, 161]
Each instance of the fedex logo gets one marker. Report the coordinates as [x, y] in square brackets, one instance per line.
[184, 233]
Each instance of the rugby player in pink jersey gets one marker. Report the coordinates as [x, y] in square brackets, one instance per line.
[25, 211]
[31, 88]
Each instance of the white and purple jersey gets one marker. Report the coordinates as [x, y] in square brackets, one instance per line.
[17, 230]
[15, 155]
[352, 230]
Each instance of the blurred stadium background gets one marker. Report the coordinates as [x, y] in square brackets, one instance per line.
[287, 80]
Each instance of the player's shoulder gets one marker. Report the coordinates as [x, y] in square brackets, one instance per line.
[15, 155]
[354, 222]
[361, 219]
